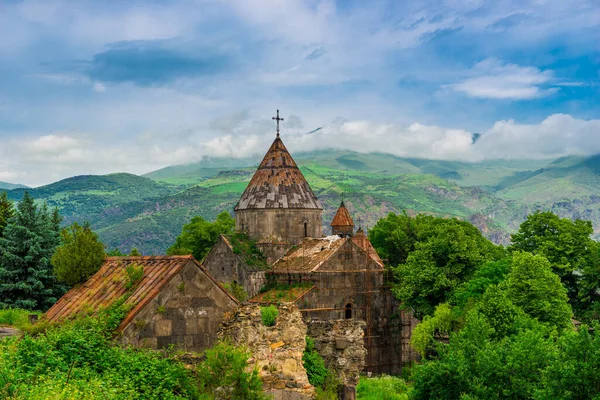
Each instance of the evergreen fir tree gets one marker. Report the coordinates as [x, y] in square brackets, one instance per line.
[7, 210]
[26, 276]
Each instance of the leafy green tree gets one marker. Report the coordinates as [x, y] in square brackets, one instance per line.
[532, 286]
[7, 210]
[566, 244]
[446, 254]
[422, 338]
[499, 312]
[199, 236]
[394, 237]
[79, 256]
[490, 273]
[26, 276]
[574, 375]
[135, 252]
[476, 366]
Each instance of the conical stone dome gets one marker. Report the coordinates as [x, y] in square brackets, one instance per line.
[278, 183]
[278, 207]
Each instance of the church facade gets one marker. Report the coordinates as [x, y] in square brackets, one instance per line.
[333, 277]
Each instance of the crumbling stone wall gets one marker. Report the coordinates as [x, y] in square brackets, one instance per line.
[341, 344]
[276, 351]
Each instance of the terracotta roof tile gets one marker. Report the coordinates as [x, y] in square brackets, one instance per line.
[109, 284]
[278, 183]
[342, 217]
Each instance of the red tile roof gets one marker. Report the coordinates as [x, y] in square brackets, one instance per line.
[342, 217]
[109, 284]
[278, 183]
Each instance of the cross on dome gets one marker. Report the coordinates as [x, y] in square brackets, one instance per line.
[277, 119]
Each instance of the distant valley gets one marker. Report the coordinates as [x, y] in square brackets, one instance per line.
[148, 211]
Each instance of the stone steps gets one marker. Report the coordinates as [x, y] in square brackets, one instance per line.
[6, 331]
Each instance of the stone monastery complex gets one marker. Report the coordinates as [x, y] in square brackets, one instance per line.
[335, 277]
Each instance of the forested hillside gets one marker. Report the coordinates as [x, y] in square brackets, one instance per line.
[131, 211]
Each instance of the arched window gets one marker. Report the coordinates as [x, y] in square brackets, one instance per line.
[305, 229]
[348, 310]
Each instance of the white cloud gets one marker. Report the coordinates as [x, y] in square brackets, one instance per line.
[493, 79]
[42, 159]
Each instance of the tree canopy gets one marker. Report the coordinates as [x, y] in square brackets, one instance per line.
[434, 255]
[199, 236]
[79, 255]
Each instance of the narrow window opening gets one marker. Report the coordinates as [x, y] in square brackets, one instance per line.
[348, 311]
[306, 229]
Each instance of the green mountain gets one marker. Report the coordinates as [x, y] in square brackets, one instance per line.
[9, 186]
[132, 211]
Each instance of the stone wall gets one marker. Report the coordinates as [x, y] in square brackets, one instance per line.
[276, 351]
[285, 224]
[341, 344]
[186, 313]
[226, 267]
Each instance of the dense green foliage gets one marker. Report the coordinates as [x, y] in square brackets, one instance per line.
[223, 374]
[199, 236]
[532, 286]
[29, 240]
[269, 314]
[508, 321]
[79, 255]
[314, 364]
[382, 388]
[324, 380]
[78, 360]
[568, 246]
[435, 255]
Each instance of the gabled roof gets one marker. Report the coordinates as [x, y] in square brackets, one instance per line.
[364, 243]
[342, 217]
[308, 255]
[278, 183]
[110, 283]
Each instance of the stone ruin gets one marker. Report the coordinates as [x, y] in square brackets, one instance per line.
[277, 351]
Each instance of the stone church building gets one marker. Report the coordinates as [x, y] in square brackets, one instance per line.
[285, 257]
[339, 276]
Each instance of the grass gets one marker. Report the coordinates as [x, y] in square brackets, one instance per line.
[16, 318]
[382, 388]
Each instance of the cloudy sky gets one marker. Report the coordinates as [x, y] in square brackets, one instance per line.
[105, 86]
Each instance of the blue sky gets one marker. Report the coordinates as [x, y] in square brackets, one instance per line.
[105, 86]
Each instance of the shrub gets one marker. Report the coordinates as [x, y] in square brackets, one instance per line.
[314, 364]
[383, 387]
[223, 374]
[78, 360]
[236, 290]
[135, 274]
[269, 315]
